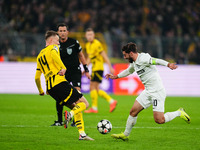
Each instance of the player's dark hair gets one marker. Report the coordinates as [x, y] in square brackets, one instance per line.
[89, 29]
[50, 33]
[62, 25]
[130, 47]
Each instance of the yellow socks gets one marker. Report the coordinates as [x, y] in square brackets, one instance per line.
[78, 108]
[94, 97]
[78, 119]
[105, 95]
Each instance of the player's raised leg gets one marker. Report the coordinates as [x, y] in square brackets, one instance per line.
[112, 102]
[80, 106]
[161, 118]
[68, 118]
[184, 115]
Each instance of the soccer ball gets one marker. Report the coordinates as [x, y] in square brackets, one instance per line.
[104, 126]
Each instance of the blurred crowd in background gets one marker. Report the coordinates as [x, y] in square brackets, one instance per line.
[164, 28]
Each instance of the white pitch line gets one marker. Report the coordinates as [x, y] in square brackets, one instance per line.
[36, 126]
[154, 128]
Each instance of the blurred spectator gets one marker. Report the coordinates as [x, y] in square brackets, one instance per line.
[194, 53]
[153, 17]
[6, 51]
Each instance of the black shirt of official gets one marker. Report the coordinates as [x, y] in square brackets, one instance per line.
[69, 53]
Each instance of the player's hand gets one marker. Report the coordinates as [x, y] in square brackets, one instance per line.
[87, 74]
[62, 72]
[41, 94]
[172, 66]
[111, 76]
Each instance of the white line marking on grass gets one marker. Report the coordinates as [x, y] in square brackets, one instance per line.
[22, 126]
[36, 126]
[154, 128]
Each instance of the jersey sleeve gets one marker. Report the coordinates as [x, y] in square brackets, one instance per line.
[37, 79]
[126, 72]
[56, 57]
[145, 59]
[78, 46]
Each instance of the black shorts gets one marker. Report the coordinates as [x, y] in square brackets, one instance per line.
[97, 76]
[73, 76]
[64, 93]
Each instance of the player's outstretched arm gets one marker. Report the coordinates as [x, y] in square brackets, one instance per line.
[111, 76]
[157, 61]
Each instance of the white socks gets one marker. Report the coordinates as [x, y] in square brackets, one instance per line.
[171, 115]
[82, 133]
[111, 101]
[131, 121]
[72, 114]
[95, 108]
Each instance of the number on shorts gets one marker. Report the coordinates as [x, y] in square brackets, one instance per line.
[155, 102]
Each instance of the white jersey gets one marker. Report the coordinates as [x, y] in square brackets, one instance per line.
[147, 72]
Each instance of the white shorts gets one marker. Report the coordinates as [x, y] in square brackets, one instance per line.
[157, 99]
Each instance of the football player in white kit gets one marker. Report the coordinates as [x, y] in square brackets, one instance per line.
[154, 94]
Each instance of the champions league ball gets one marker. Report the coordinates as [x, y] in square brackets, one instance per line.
[104, 126]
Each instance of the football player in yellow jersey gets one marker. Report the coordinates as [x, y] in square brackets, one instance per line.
[97, 56]
[50, 64]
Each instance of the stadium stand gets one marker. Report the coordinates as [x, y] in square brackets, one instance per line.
[167, 29]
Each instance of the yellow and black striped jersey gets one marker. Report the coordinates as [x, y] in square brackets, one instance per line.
[94, 50]
[49, 63]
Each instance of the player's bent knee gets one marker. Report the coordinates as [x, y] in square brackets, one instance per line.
[86, 104]
[83, 99]
[159, 117]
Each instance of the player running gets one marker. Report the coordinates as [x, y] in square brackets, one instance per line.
[97, 56]
[154, 94]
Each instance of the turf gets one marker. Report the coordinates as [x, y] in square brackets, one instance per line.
[25, 125]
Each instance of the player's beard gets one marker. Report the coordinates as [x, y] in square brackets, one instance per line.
[130, 60]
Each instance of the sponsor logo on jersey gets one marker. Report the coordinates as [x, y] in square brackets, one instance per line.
[140, 71]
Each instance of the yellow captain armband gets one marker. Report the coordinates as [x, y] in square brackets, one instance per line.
[153, 61]
[157, 61]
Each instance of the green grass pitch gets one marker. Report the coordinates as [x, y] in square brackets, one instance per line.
[25, 125]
